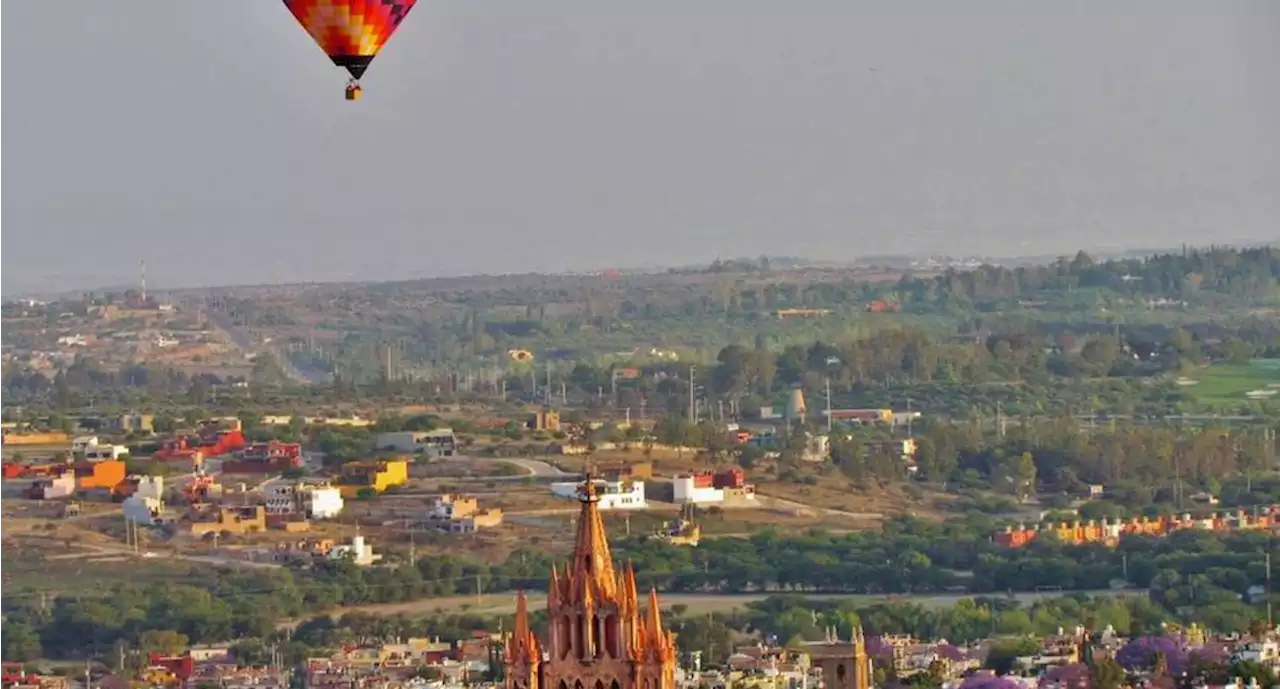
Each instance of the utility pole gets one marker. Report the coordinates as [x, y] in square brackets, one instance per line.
[1000, 418]
[1177, 478]
[504, 390]
[479, 596]
[693, 413]
[1271, 623]
[828, 382]
[412, 552]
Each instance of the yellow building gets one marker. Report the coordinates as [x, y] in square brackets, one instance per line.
[378, 475]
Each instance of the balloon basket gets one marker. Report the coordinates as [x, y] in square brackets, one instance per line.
[354, 93]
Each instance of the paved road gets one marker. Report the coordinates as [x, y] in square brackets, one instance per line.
[783, 503]
[97, 550]
[536, 468]
[242, 341]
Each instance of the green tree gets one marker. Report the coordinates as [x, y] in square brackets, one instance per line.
[1106, 673]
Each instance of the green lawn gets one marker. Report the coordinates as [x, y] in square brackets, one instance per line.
[1230, 383]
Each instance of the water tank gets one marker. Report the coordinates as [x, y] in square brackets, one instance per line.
[795, 405]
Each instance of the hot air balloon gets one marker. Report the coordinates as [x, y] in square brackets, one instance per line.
[350, 32]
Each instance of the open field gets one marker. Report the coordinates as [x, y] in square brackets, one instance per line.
[1230, 384]
[37, 566]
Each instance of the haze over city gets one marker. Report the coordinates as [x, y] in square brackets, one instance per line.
[210, 139]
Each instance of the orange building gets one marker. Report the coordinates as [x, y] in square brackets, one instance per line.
[600, 637]
[106, 474]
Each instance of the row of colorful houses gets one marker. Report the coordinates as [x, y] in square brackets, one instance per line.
[1109, 532]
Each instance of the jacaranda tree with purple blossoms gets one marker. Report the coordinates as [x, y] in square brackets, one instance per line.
[1142, 653]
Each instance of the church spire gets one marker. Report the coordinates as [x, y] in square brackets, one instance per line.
[592, 561]
[522, 616]
[553, 591]
[522, 645]
[659, 644]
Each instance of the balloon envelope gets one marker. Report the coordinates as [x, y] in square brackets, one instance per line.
[350, 32]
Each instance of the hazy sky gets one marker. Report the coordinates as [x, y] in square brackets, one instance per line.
[210, 137]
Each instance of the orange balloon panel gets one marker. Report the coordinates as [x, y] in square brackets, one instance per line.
[351, 32]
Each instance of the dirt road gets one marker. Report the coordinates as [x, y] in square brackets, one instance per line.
[504, 603]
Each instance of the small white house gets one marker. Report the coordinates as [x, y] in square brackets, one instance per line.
[359, 552]
[150, 487]
[99, 453]
[613, 495]
[142, 510]
[685, 489]
[320, 502]
[83, 443]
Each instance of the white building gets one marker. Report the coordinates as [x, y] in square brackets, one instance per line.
[614, 495]
[310, 499]
[150, 487]
[83, 443]
[685, 489]
[440, 442]
[359, 552]
[321, 502]
[100, 453]
[142, 510]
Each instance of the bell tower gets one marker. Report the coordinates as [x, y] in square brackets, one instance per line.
[844, 665]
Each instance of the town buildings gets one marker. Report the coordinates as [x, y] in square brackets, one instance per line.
[599, 635]
[1108, 532]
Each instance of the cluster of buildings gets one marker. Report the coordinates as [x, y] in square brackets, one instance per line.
[462, 514]
[705, 487]
[66, 479]
[203, 508]
[398, 664]
[1109, 532]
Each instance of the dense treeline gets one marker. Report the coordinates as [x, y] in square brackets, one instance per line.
[1063, 455]
[1201, 570]
[580, 319]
